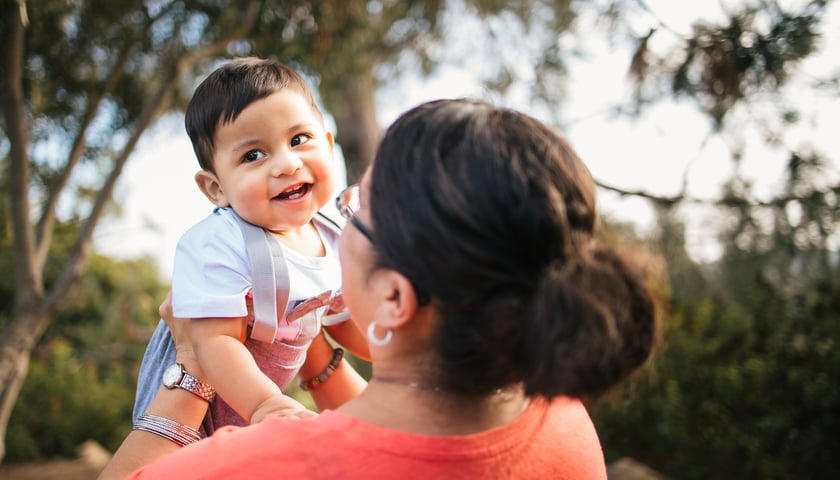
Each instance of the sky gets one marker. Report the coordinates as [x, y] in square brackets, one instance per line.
[654, 153]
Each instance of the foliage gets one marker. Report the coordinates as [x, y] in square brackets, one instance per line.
[354, 47]
[737, 395]
[66, 401]
[746, 387]
[753, 51]
[80, 82]
[83, 374]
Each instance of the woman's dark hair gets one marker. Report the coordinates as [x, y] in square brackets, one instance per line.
[491, 216]
[228, 90]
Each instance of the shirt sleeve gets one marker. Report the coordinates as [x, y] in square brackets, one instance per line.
[211, 274]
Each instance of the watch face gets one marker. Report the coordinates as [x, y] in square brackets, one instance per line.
[171, 375]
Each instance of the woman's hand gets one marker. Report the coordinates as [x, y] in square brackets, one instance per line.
[180, 329]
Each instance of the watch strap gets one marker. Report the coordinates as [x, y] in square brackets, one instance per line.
[189, 383]
[196, 386]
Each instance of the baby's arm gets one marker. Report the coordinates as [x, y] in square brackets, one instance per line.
[232, 371]
[343, 385]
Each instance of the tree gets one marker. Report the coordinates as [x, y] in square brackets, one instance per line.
[84, 366]
[745, 73]
[99, 73]
[742, 389]
[354, 47]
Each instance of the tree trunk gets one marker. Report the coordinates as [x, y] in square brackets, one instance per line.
[28, 318]
[25, 327]
[34, 309]
[358, 133]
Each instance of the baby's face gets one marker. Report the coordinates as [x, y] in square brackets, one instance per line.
[274, 163]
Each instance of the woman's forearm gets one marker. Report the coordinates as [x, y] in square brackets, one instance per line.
[141, 447]
[178, 405]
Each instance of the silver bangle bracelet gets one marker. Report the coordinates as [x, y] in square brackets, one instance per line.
[168, 429]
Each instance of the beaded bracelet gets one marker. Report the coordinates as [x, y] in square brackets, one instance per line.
[322, 377]
[169, 429]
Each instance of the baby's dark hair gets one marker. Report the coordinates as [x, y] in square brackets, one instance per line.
[491, 215]
[228, 90]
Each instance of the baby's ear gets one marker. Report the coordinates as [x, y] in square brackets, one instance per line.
[211, 188]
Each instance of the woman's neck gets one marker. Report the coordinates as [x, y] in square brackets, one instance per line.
[415, 407]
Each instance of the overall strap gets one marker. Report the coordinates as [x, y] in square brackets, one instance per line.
[270, 280]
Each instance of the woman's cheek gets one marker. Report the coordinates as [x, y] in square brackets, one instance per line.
[351, 281]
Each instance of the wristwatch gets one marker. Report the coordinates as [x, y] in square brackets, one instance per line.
[175, 376]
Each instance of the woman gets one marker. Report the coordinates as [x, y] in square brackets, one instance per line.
[489, 310]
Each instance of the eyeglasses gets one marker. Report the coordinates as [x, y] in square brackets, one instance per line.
[347, 203]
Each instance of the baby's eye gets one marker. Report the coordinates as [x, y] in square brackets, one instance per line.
[300, 139]
[252, 156]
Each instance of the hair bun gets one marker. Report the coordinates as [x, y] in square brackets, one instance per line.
[595, 322]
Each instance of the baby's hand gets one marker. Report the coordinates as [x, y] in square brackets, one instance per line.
[283, 406]
[302, 414]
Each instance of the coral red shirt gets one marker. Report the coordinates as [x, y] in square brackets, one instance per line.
[556, 441]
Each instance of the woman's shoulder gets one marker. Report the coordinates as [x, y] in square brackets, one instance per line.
[556, 439]
[568, 438]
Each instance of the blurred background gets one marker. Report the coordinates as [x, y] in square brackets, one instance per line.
[710, 127]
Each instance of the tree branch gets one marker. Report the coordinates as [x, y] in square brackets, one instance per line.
[44, 229]
[658, 199]
[27, 278]
[81, 250]
[726, 201]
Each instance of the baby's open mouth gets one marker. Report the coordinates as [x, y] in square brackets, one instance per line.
[294, 193]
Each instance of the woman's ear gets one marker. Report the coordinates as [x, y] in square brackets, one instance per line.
[331, 141]
[211, 188]
[398, 301]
